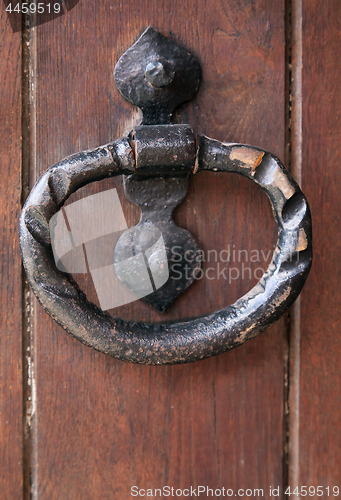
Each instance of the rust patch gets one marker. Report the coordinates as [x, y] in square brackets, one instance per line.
[302, 240]
[243, 335]
[250, 158]
[278, 301]
[283, 184]
[257, 162]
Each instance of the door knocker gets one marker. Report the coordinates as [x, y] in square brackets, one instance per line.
[157, 159]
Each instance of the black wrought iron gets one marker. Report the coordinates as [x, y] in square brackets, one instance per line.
[159, 170]
[157, 75]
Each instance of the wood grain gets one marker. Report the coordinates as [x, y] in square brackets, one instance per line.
[11, 406]
[103, 426]
[319, 441]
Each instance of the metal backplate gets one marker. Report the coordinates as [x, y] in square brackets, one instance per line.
[157, 199]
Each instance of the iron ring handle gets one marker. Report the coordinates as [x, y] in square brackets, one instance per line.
[189, 340]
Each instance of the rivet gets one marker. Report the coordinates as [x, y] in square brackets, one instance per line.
[159, 72]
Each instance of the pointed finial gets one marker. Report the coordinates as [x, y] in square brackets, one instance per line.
[157, 75]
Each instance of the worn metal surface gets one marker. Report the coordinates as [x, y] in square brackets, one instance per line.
[164, 149]
[157, 199]
[189, 340]
[157, 75]
[161, 152]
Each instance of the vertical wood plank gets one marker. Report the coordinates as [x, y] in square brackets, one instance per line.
[295, 124]
[318, 440]
[11, 405]
[103, 426]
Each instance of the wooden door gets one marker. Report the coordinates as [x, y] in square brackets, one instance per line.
[76, 424]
